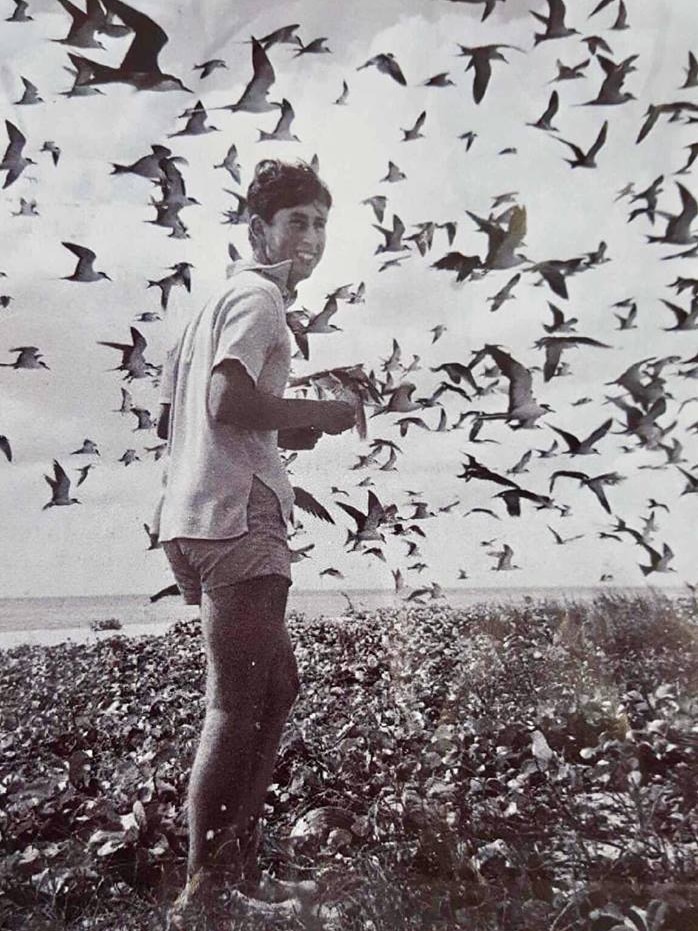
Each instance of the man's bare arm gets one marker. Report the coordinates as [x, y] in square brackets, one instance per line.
[163, 427]
[234, 398]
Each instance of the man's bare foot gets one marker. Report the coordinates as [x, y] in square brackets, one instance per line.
[271, 889]
[196, 898]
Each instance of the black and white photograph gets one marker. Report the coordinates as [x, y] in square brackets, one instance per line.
[349, 465]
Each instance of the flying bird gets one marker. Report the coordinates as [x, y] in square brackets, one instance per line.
[85, 24]
[196, 118]
[544, 121]
[13, 161]
[586, 159]
[181, 276]
[554, 347]
[282, 130]
[481, 58]
[585, 447]
[594, 483]
[254, 97]
[50, 146]
[132, 356]
[464, 265]
[678, 228]
[504, 559]
[554, 23]
[610, 92]
[368, 524]
[60, 487]
[654, 111]
[208, 67]
[561, 541]
[231, 163]
[414, 131]
[315, 47]
[89, 448]
[394, 174]
[387, 64]
[378, 204]
[19, 14]
[691, 72]
[139, 67]
[84, 270]
[570, 72]
[83, 472]
[29, 358]
[30, 95]
[342, 99]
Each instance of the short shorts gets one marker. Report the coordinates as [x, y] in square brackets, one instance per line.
[206, 565]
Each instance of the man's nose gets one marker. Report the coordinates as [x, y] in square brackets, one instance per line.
[313, 238]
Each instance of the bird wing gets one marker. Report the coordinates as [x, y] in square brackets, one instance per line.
[600, 432]
[328, 311]
[651, 119]
[17, 141]
[579, 154]
[286, 118]
[582, 476]
[263, 75]
[139, 341]
[688, 202]
[552, 108]
[311, 505]
[483, 73]
[597, 487]
[391, 67]
[353, 512]
[62, 486]
[148, 40]
[558, 316]
[556, 15]
[82, 252]
[599, 141]
[6, 448]
[558, 538]
[553, 353]
[572, 442]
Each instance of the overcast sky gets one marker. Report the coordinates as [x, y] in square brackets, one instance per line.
[100, 546]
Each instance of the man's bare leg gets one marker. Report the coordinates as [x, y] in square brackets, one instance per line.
[249, 695]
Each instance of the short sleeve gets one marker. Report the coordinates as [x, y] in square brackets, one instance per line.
[248, 331]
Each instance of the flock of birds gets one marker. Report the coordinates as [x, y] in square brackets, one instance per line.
[495, 391]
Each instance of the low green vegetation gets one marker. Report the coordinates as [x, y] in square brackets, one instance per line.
[508, 767]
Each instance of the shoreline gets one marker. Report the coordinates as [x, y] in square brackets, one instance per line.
[373, 600]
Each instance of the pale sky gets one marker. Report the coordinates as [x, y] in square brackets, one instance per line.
[99, 546]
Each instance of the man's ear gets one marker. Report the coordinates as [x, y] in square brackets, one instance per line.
[256, 232]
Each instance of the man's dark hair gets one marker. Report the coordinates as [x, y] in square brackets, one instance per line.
[277, 185]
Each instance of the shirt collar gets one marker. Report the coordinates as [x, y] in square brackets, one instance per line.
[277, 272]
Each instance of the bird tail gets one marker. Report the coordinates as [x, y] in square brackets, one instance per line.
[646, 569]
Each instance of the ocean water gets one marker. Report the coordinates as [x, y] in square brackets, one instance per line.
[51, 620]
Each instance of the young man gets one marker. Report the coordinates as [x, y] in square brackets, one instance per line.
[224, 512]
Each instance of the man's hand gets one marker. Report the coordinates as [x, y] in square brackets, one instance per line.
[298, 438]
[335, 417]
[163, 427]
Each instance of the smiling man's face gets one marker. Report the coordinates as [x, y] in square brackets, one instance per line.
[296, 233]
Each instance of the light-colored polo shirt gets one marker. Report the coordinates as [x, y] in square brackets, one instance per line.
[211, 464]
